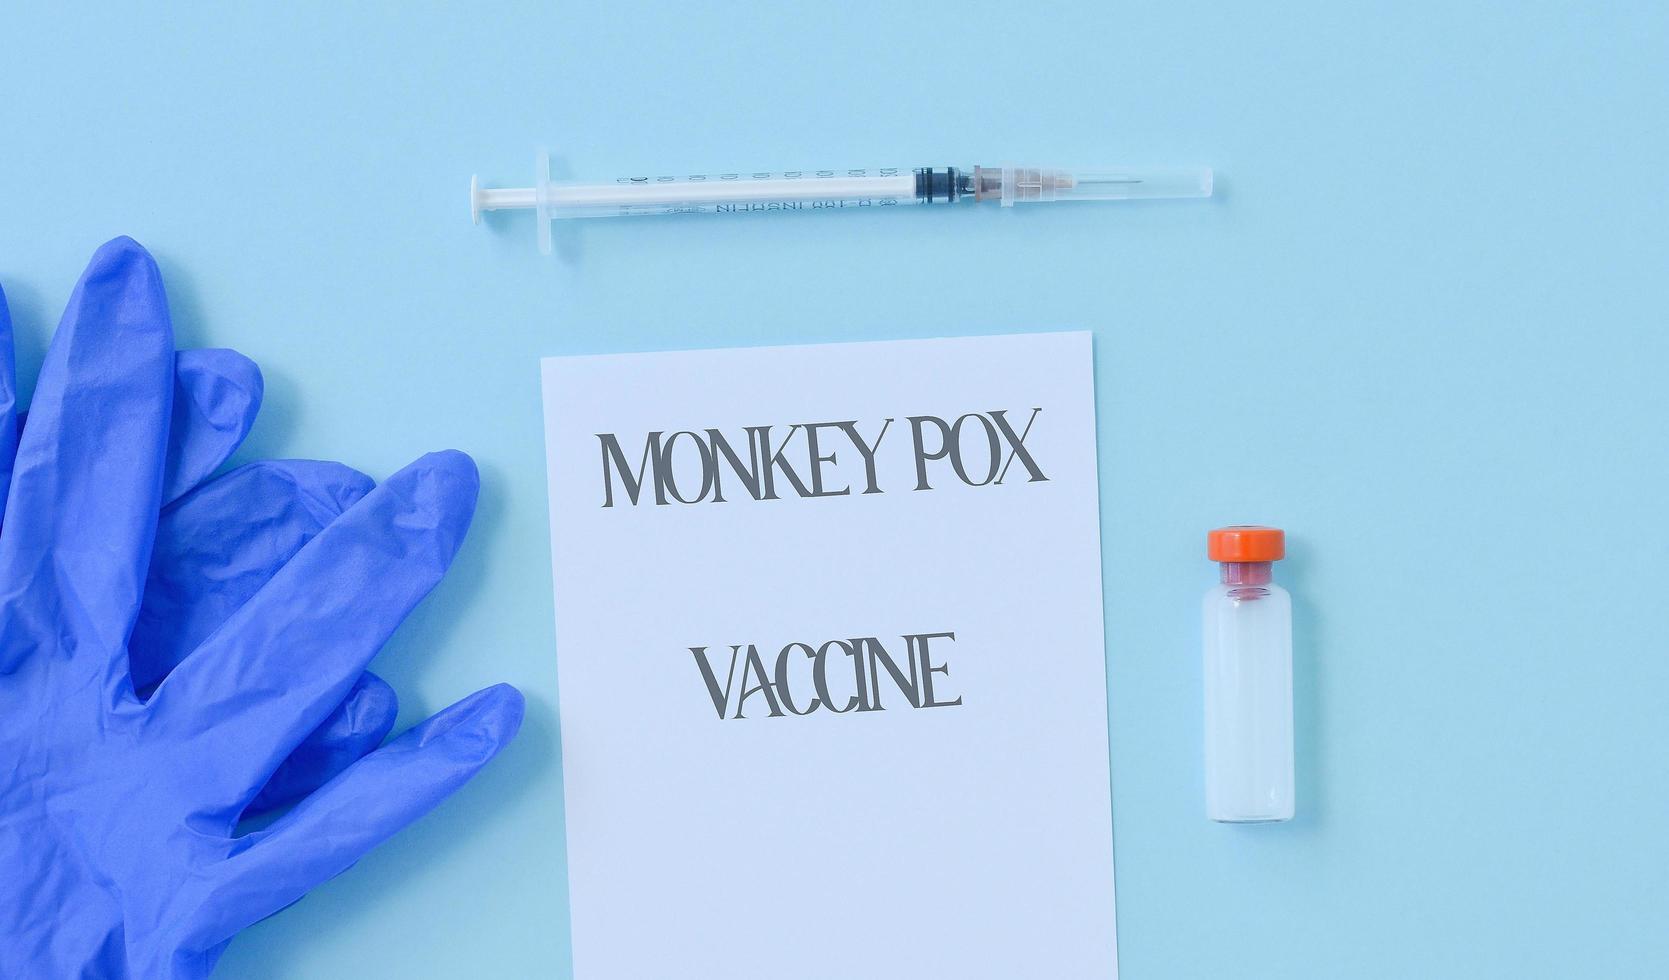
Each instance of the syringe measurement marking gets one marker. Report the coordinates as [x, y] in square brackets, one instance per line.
[765, 175]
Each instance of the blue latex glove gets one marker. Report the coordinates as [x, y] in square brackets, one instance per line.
[116, 815]
[215, 550]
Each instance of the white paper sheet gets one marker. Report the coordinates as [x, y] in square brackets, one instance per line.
[969, 836]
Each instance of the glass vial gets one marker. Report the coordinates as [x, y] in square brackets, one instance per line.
[1248, 680]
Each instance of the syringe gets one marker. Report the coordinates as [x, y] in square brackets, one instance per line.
[744, 192]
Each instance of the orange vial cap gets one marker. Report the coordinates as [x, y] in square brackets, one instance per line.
[1246, 542]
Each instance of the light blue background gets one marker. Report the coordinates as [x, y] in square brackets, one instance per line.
[1423, 327]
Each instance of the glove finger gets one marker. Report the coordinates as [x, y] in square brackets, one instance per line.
[375, 797]
[8, 401]
[216, 396]
[358, 725]
[219, 544]
[87, 480]
[267, 677]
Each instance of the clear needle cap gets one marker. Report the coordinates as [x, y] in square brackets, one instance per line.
[1025, 185]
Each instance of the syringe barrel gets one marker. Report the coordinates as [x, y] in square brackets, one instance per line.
[793, 190]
